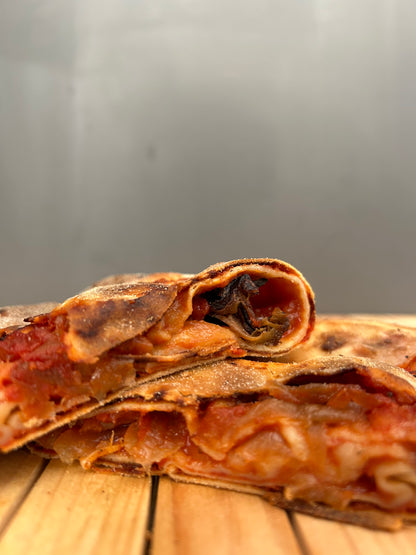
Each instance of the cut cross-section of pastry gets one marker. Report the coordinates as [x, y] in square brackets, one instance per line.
[334, 438]
[133, 329]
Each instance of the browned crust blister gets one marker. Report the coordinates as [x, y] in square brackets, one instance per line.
[371, 339]
[105, 316]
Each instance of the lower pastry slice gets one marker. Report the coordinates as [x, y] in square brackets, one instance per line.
[334, 437]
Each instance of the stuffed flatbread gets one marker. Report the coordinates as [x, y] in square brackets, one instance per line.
[115, 335]
[334, 438]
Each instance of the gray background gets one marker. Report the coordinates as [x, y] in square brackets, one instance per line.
[147, 135]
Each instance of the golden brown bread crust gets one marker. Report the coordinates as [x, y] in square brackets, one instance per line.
[161, 277]
[372, 339]
[105, 316]
[226, 378]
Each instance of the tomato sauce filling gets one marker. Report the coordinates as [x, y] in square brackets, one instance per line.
[37, 374]
[332, 443]
[261, 311]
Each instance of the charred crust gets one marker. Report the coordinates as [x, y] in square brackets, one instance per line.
[348, 375]
[356, 374]
[95, 320]
[219, 269]
[89, 320]
[247, 398]
[131, 288]
[159, 395]
[88, 333]
[332, 343]
[180, 402]
[390, 339]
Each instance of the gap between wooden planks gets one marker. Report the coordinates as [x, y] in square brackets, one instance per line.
[72, 511]
[69, 510]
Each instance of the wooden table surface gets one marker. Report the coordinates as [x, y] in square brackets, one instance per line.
[48, 508]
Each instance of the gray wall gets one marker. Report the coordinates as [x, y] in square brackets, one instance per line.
[144, 135]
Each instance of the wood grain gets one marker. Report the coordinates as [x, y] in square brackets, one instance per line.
[18, 472]
[345, 539]
[73, 511]
[194, 519]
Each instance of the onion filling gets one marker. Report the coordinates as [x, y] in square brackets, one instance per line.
[330, 443]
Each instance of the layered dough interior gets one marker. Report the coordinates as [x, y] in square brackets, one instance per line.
[39, 380]
[250, 313]
[337, 444]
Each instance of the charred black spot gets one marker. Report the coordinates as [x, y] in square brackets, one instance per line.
[392, 339]
[95, 320]
[226, 300]
[137, 301]
[213, 320]
[245, 319]
[332, 343]
[348, 376]
[159, 395]
[88, 333]
[247, 397]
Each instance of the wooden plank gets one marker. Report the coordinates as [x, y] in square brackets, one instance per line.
[318, 535]
[197, 519]
[18, 472]
[73, 511]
